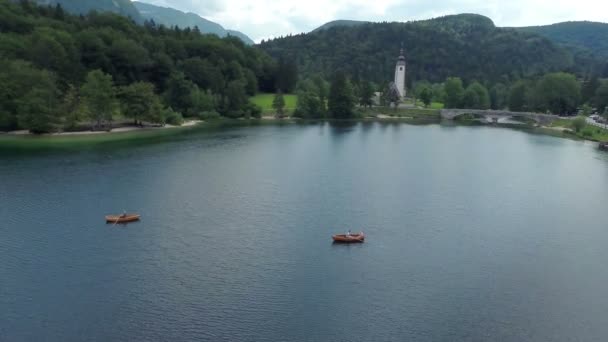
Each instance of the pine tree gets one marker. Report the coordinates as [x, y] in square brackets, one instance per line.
[340, 102]
[426, 95]
[279, 104]
[366, 94]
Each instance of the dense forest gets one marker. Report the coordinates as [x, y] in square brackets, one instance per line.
[59, 70]
[468, 46]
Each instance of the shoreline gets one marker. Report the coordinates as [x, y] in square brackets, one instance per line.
[23, 133]
[20, 139]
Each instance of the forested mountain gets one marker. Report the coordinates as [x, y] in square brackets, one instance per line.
[122, 7]
[172, 17]
[241, 35]
[339, 23]
[581, 34]
[469, 46]
[58, 70]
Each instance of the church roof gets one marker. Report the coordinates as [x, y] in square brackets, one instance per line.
[401, 55]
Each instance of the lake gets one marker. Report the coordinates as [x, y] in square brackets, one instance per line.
[473, 234]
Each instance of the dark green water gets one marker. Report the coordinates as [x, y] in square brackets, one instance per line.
[474, 233]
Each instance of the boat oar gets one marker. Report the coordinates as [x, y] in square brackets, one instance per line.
[118, 218]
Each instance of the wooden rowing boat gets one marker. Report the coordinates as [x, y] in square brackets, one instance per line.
[350, 238]
[122, 218]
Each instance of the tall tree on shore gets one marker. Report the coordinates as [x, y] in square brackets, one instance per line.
[601, 97]
[589, 88]
[476, 97]
[38, 108]
[72, 108]
[454, 92]
[499, 95]
[426, 95]
[340, 102]
[179, 93]
[140, 102]
[235, 99]
[517, 96]
[559, 93]
[366, 93]
[322, 91]
[278, 103]
[99, 94]
[418, 89]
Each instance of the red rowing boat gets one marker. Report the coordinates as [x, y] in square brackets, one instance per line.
[349, 238]
[122, 218]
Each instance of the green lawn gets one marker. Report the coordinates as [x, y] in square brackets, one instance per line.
[264, 100]
[589, 132]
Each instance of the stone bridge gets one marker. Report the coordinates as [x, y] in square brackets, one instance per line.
[495, 115]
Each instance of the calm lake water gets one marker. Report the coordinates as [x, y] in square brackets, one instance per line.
[474, 234]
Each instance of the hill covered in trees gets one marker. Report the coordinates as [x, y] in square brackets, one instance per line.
[579, 34]
[58, 71]
[466, 45]
[172, 17]
[340, 23]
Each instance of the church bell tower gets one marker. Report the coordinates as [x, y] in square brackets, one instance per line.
[400, 74]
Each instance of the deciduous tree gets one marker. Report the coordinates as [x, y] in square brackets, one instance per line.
[559, 93]
[278, 103]
[99, 95]
[454, 92]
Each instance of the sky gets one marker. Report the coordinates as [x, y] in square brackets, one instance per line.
[263, 19]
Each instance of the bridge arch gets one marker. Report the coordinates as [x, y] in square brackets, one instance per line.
[451, 114]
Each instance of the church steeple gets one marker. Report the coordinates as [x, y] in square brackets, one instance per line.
[400, 73]
[401, 53]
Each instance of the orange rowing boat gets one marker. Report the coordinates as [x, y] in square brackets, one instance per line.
[349, 238]
[122, 218]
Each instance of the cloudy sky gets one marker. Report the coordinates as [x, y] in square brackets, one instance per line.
[261, 19]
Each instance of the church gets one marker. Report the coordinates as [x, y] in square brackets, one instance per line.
[397, 87]
[400, 69]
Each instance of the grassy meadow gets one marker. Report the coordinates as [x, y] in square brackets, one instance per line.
[264, 100]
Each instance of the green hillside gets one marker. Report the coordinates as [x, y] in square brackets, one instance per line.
[467, 45]
[583, 34]
[340, 23]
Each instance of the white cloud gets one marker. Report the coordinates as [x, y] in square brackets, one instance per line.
[272, 18]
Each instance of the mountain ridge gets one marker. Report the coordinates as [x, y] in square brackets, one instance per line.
[140, 12]
[589, 35]
[122, 7]
[169, 16]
